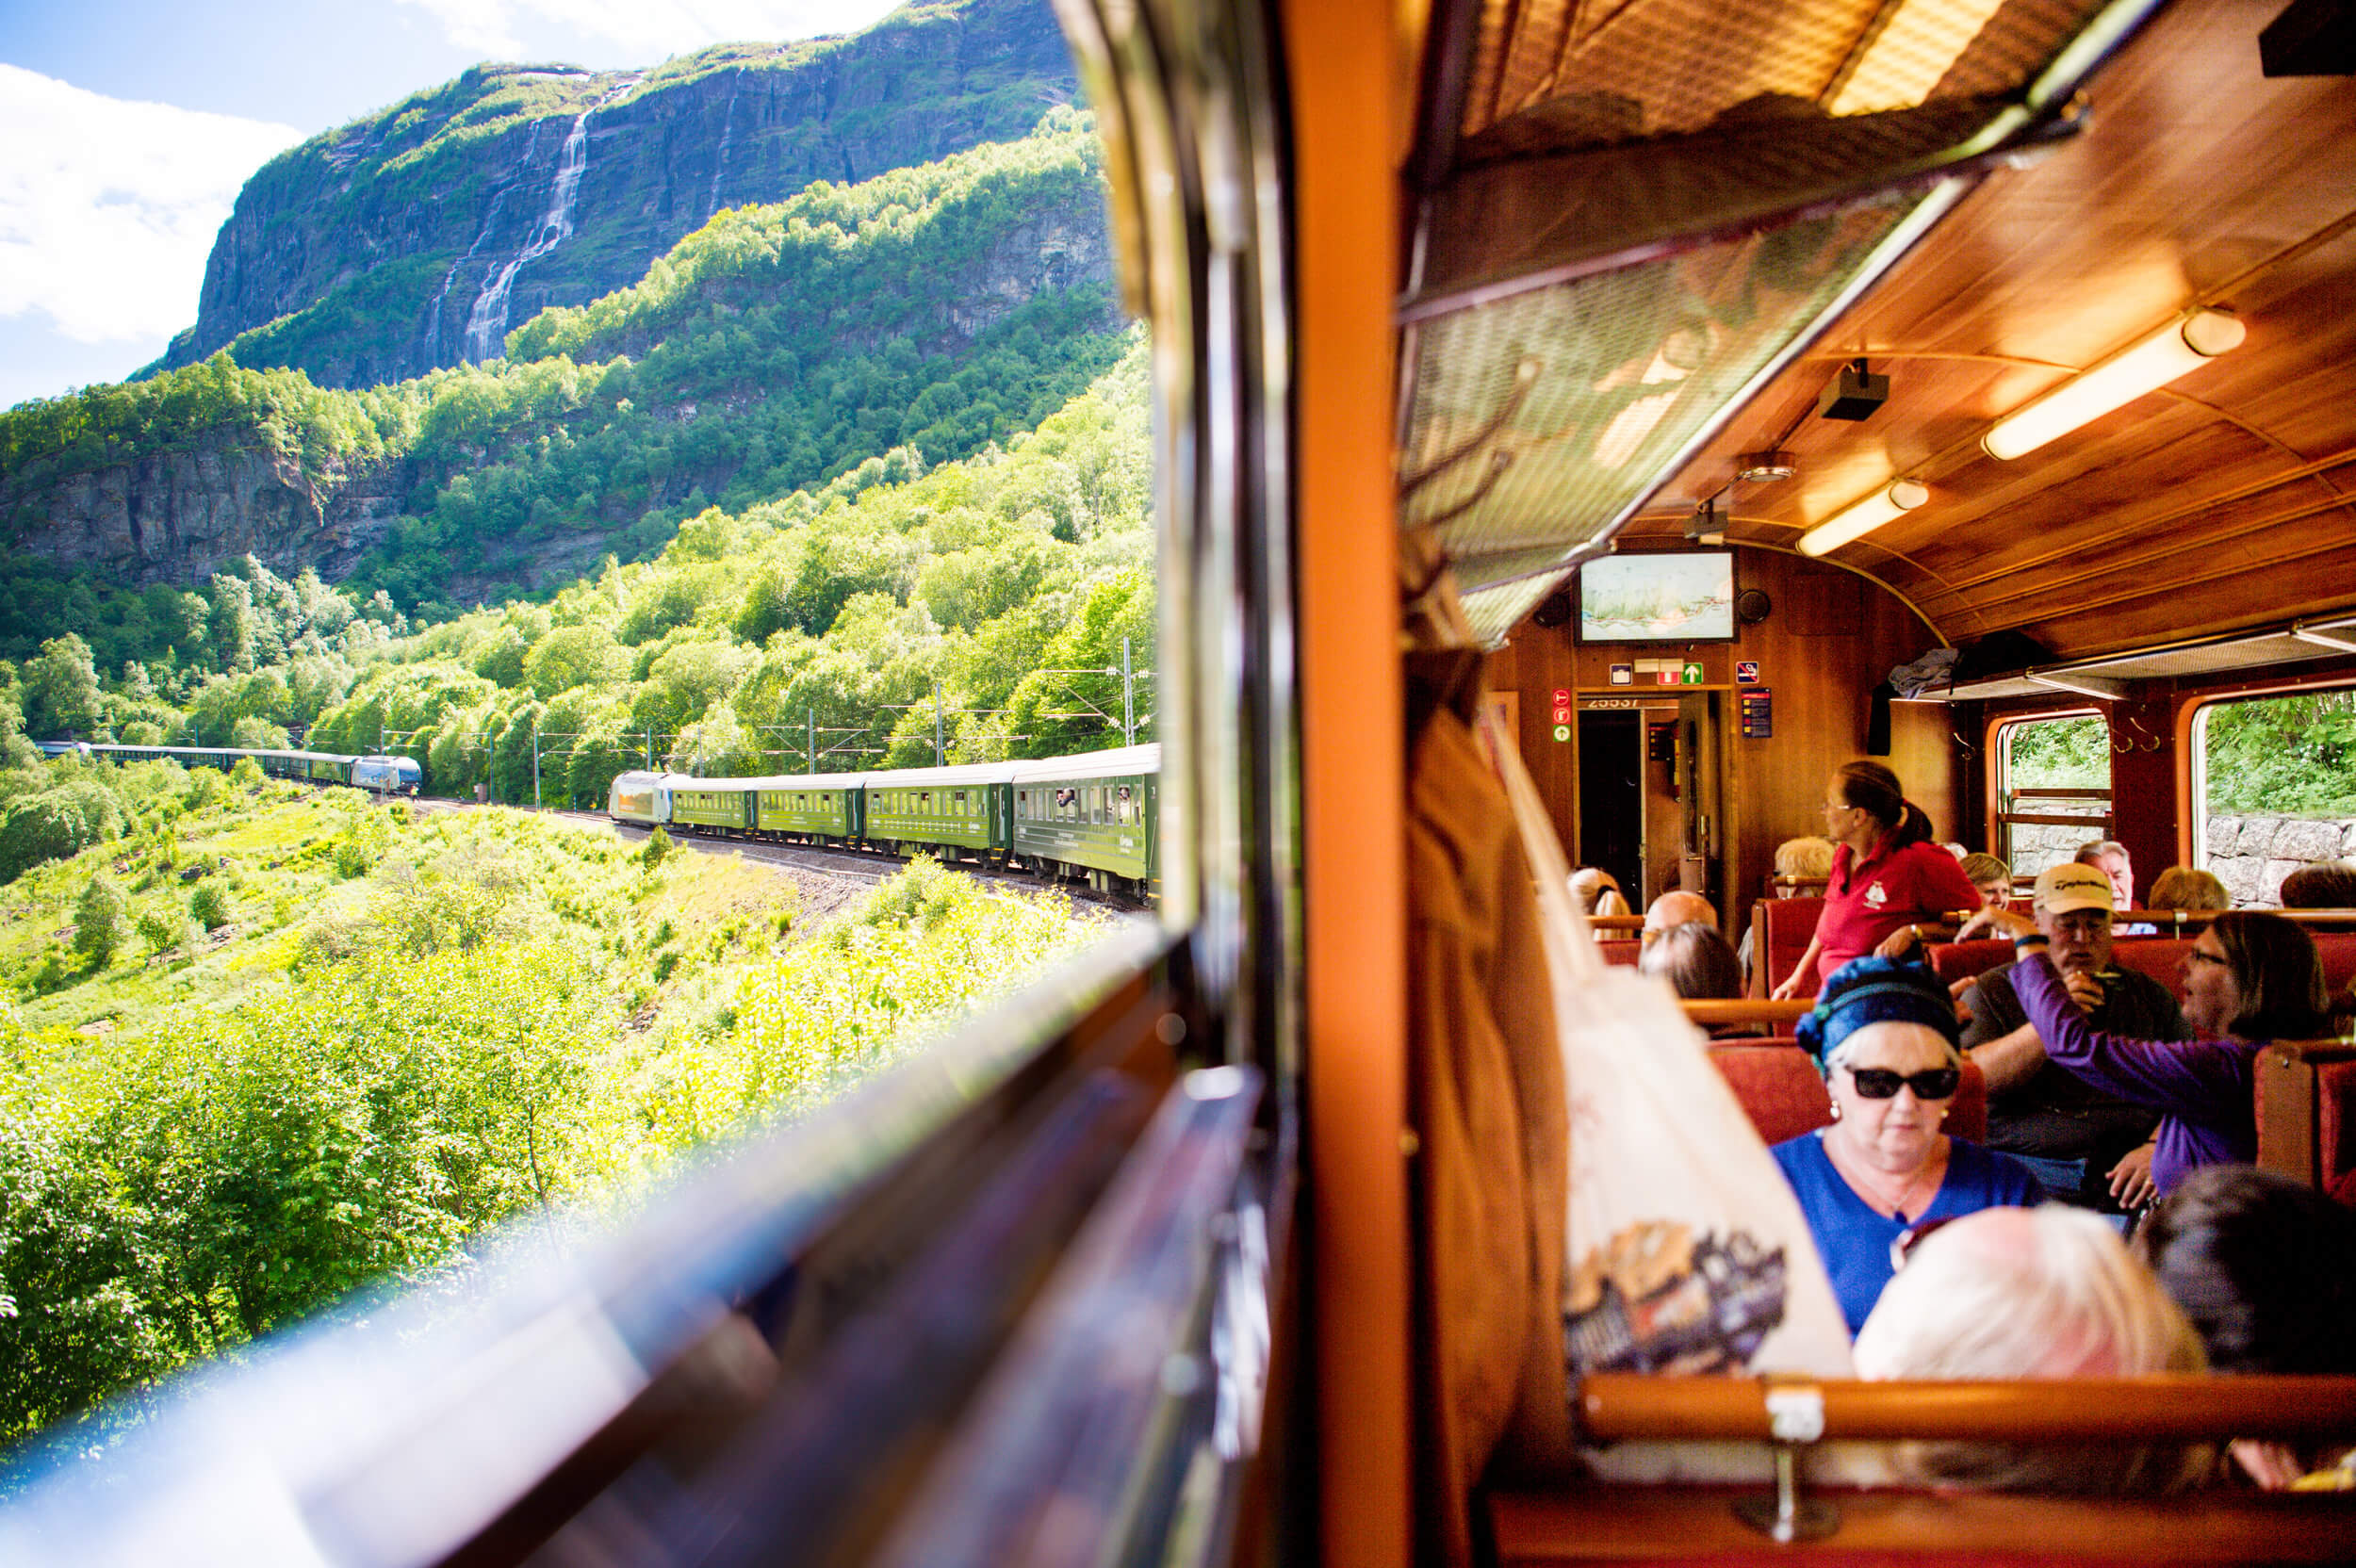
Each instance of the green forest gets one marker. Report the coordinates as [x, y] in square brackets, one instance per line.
[271, 1044]
[2285, 756]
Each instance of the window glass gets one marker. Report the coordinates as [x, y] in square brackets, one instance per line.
[2273, 789]
[2054, 791]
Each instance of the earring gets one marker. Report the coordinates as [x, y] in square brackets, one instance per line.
[1836, 1110]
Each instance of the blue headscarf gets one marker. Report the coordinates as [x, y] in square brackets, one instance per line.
[1877, 990]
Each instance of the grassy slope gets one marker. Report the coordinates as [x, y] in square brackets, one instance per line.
[409, 1028]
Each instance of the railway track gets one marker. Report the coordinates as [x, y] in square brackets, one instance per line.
[863, 867]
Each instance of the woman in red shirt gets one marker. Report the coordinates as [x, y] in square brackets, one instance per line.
[1887, 873]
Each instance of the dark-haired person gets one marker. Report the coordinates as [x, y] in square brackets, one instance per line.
[1884, 1032]
[1695, 960]
[2265, 1268]
[1887, 876]
[2323, 885]
[2249, 978]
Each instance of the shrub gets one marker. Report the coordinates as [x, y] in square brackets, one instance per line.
[352, 860]
[205, 786]
[101, 921]
[659, 846]
[209, 907]
[247, 774]
[160, 929]
[55, 824]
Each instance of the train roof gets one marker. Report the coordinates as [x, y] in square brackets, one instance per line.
[1119, 762]
[57, 749]
[970, 772]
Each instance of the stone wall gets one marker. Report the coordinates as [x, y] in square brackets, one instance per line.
[2038, 845]
[2252, 855]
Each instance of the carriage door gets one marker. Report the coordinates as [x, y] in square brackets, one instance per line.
[1611, 789]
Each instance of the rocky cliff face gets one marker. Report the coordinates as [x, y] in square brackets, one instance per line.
[419, 238]
[174, 516]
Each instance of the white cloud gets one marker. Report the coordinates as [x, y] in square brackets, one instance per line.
[108, 208]
[645, 29]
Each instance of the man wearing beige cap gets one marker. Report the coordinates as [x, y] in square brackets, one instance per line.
[2087, 1147]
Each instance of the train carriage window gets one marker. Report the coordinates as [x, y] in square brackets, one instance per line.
[2053, 790]
[2273, 787]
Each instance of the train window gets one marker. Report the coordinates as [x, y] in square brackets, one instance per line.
[2053, 790]
[2273, 787]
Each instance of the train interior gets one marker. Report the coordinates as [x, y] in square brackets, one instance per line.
[1155, 1264]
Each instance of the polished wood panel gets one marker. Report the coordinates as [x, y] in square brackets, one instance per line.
[1831, 637]
[1698, 1524]
[2227, 499]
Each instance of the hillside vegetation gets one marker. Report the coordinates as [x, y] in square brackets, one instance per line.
[269, 1045]
[1008, 583]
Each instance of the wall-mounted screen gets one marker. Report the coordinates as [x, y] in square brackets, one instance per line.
[1685, 596]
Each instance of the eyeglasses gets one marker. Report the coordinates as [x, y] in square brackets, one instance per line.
[1879, 1083]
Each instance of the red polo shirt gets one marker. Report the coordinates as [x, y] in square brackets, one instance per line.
[1916, 884]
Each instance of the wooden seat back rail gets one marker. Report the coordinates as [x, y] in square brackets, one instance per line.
[2180, 1407]
[1746, 1009]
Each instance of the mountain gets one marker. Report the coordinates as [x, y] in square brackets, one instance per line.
[939, 308]
[415, 239]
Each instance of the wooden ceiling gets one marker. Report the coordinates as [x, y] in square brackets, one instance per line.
[2224, 501]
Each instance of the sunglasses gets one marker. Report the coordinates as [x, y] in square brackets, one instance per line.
[1879, 1083]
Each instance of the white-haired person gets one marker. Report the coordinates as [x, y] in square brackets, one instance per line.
[2050, 1292]
[1597, 891]
[1885, 1033]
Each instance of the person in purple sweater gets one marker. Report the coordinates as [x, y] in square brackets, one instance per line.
[2250, 978]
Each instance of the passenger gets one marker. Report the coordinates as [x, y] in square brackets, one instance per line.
[1888, 877]
[2324, 885]
[1884, 1034]
[1671, 909]
[2264, 1266]
[1597, 892]
[2187, 888]
[1802, 859]
[2030, 1293]
[2088, 1147]
[1994, 880]
[2109, 857]
[2249, 978]
[1695, 960]
[1797, 861]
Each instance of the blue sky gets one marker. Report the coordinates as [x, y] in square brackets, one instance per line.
[127, 126]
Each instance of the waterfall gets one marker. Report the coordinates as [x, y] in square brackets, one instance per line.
[487, 324]
[490, 226]
[727, 134]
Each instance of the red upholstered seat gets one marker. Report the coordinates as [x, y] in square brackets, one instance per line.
[1784, 1094]
[2161, 957]
[1968, 961]
[2335, 1129]
[1786, 925]
[1621, 951]
[2337, 949]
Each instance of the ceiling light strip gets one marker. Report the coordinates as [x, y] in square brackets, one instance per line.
[2183, 345]
[1846, 527]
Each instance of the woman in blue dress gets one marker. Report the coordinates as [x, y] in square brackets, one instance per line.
[1884, 1034]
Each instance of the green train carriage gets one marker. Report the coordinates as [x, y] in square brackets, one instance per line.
[1097, 814]
[959, 809]
[814, 808]
[721, 806]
